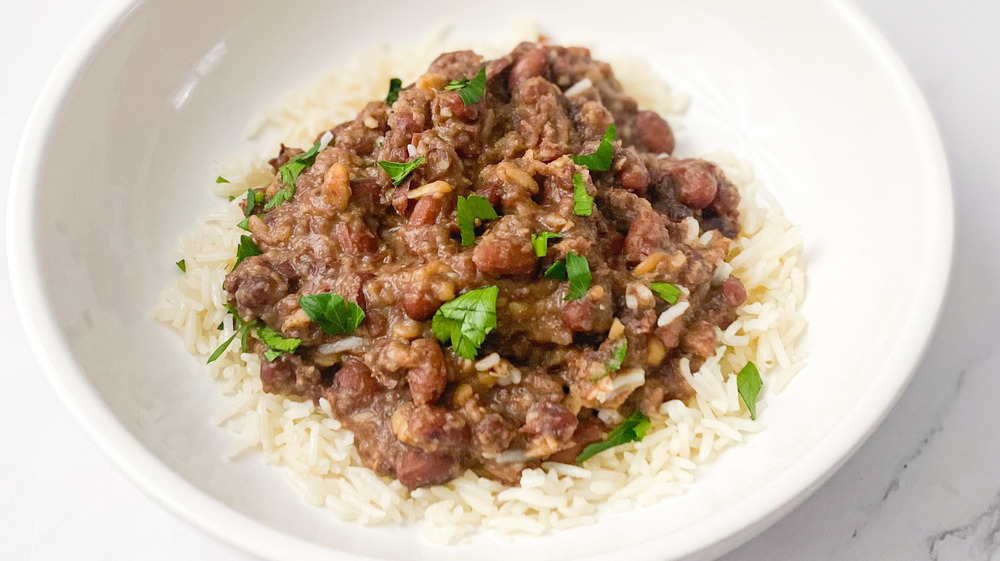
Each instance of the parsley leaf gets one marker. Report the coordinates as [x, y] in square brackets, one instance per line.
[221, 179]
[251, 202]
[398, 172]
[665, 290]
[290, 174]
[395, 85]
[583, 204]
[466, 320]
[242, 329]
[578, 271]
[556, 271]
[618, 358]
[468, 211]
[247, 248]
[600, 159]
[633, 429]
[748, 383]
[332, 313]
[182, 265]
[471, 91]
[541, 242]
[276, 343]
[221, 349]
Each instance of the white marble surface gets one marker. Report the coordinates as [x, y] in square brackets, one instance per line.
[925, 486]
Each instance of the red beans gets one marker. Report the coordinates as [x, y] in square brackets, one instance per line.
[428, 376]
[353, 387]
[427, 210]
[255, 284]
[647, 233]
[549, 420]
[588, 315]
[432, 429]
[654, 132]
[420, 304]
[504, 257]
[633, 174]
[417, 469]
[733, 291]
[531, 64]
[695, 182]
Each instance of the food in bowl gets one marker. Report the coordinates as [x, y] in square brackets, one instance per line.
[498, 290]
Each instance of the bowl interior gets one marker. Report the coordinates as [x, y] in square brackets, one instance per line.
[123, 152]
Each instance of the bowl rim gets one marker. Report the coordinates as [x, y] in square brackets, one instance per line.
[727, 530]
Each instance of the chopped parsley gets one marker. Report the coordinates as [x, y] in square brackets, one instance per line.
[556, 271]
[618, 357]
[242, 329]
[254, 198]
[470, 209]
[600, 159]
[290, 174]
[632, 430]
[665, 290]
[467, 320]
[578, 272]
[221, 179]
[332, 313]
[276, 343]
[398, 172]
[748, 383]
[471, 91]
[541, 242]
[395, 85]
[247, 248]
[182, 265]
[583, 204]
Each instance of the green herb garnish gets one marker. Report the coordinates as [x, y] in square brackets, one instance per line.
[182, 265]
[276, 343]
[251, 201]
[221, 179]
[398, 172]
[395, 85]
[748, 383]
[618, 358]
[469, 209]
[541, 242]
[556, 271]
[600, 159]
[466, 320]
[471, 91]
[578, 272]
[290, 174]
[332, 313]
[665, 290]
[247, 248]
[242, 329]
[583, 204]
[632, 430]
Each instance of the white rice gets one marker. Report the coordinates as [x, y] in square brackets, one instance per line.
[318, 453]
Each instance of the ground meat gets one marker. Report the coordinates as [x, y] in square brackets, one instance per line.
[419, 411]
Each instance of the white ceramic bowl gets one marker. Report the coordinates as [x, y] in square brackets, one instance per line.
[155, 95]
